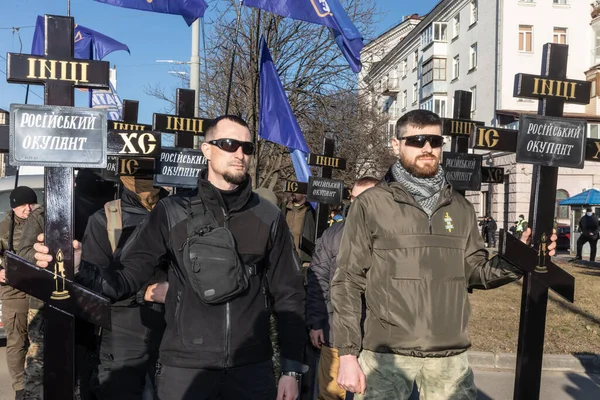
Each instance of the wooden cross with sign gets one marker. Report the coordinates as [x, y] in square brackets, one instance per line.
[180, 166]
[327, 162]
[547, 141]
[60, 138]
[183, 123]
[132, 147]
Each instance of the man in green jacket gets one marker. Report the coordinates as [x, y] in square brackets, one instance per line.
[14, 302]
[412, 245]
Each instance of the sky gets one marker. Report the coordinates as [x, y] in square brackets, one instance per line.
[150, 37]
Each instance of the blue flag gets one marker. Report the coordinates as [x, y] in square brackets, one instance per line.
[277, 122]
[89, 44]
[189, 9]
[329, 13]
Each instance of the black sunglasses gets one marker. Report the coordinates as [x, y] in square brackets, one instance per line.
[231, 145]
[419, 141]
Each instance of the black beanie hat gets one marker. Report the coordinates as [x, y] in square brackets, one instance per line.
[22, 195]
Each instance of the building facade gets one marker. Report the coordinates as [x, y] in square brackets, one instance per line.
[479, 46]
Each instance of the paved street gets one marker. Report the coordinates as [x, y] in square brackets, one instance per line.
[493, 385]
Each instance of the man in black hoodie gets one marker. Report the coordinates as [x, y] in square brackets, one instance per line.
[129, 351]
[588, 226]
[223, 350]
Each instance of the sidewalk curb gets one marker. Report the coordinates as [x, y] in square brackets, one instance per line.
[589, 363]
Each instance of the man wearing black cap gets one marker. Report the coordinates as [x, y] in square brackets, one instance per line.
[14, 302]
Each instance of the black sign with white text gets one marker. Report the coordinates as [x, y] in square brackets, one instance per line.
[551, 141]
[133, 143]
[57, 136]
[463, 171]
[324, 190]
[179, 167]
[492, 175]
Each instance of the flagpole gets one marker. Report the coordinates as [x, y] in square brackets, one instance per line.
[256, 99]
[68, 8]
[237, 30]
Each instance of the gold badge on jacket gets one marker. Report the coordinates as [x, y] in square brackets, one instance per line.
[448, 221]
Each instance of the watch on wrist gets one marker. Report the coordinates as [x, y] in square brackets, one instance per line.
[296, 375]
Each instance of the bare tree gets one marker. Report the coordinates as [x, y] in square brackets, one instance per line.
[320, 86]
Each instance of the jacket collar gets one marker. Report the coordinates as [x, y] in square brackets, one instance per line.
[401, 195]
[210, 194]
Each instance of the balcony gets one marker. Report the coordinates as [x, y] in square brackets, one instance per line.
[392, 113]
[435, 87]
[391, 87]
[436, 49]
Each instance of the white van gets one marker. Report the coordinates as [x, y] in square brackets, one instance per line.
[7, 184]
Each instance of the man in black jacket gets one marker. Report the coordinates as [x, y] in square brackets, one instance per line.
[588, 226]
[319, 312]
[223, 351]
[129, 351]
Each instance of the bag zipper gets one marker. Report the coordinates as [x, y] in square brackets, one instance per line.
[227, 307]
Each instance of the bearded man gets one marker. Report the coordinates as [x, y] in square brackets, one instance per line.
[411, 245]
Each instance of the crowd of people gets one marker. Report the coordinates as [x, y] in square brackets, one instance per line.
[196, 277]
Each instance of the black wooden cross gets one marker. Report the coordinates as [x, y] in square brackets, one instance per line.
[547, 143]
[59, 72]
[132, 147]
[183, 123]
[327, 162]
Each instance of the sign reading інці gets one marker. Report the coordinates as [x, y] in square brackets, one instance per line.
[57, 136]
[553, 142]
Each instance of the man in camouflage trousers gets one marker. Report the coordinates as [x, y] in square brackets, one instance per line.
[14, 302]
[411, 245]
[34, 361]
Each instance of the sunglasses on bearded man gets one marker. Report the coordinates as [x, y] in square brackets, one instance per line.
[232, 145]
[419, 141]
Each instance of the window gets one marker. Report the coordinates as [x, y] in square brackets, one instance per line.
[593, 88]
[593, 131]
[433, 70]
[404, 67]
[415, 59]
[415, 93]
[439, 69]
[526, 38]
[473, 11]
[404, 99]
[473, 56]
[456, 26]
[561, 212]
[473, 100]
[455, 67]
[439, 107]
[434, 32]
[560, 1]
[526, 1]
[390, 134]
[439, 32]
[560, 35]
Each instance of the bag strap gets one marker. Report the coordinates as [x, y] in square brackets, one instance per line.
[201, 220]
[114, 222]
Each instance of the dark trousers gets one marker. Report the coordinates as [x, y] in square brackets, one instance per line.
[126, 362]
[14, 318]
[491, 238]
[583, 239]
[250, 382]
